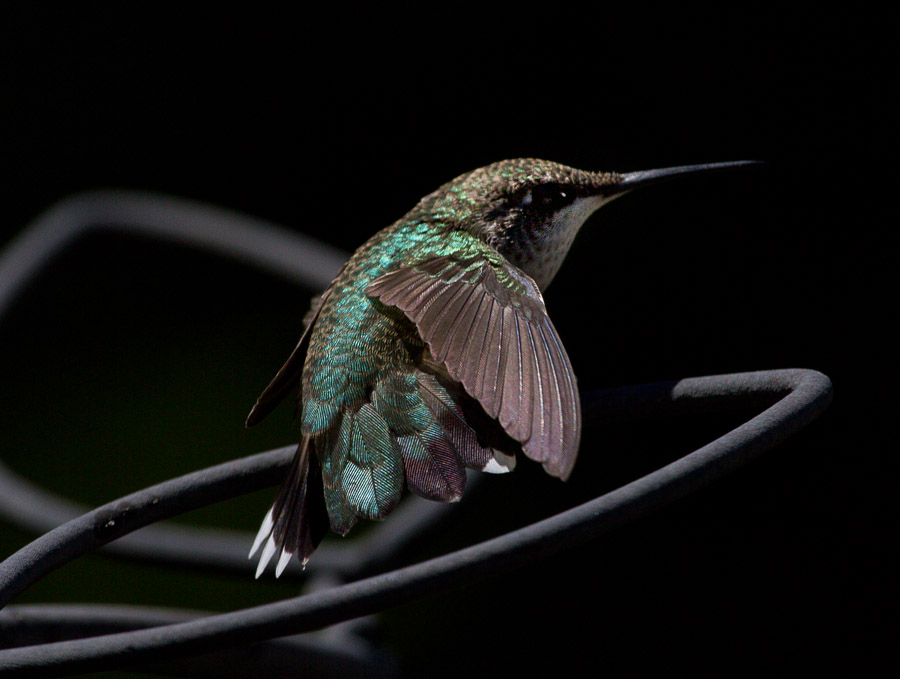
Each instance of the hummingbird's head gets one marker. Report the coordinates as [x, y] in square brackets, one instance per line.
[530, 210]
[533, 210]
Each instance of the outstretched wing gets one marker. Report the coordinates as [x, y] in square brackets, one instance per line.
[288, 378]
[485, 321]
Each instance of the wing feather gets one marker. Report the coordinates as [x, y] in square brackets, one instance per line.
[486, 323]
[418, 290]
[432, 468]
[570, 410]
[551, 434]
[372, 478]
[511, 385]
[433, 311]
[442, 334]
[460, 337]
[472, 354]
[452, 420]
[288, 378]
[542, 408]
[492, 373]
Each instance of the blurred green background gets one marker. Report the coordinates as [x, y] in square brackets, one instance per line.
[131, 362]
[134, 377]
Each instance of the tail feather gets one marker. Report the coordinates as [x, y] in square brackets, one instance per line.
[297, 520]
[415, 428]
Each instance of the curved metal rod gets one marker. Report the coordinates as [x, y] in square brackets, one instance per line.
[319, 655]
[805, 394]
[211, 549]
[277, 251]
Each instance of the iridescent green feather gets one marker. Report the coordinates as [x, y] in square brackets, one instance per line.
[361, 376]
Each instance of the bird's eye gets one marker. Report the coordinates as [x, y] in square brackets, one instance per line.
[544, 197]
[547, 197]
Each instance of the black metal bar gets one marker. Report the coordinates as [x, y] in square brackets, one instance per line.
[319, 655]
[807, 394]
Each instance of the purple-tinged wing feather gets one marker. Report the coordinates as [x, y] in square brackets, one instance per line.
[552, 432]
[433, 470]
[511, 386]
[450, 417]
[569, 399]
[473, 352]
[492, 375]
[442, 332]
[533, 415]
[434, 310]
[496, 339]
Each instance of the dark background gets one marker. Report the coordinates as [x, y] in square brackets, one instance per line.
[129, 362]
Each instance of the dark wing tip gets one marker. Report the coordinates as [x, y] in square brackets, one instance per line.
[561, 469]
[254, 417]
[288, 378]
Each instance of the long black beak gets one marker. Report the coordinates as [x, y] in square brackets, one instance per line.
[634, 180]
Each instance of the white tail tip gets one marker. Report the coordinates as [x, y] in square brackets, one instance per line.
[268, 553]
[283, 562]
[263, 533]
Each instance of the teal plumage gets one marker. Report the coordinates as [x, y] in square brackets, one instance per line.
[364, 390]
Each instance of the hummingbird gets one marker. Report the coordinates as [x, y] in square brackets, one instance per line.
[432, 351]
